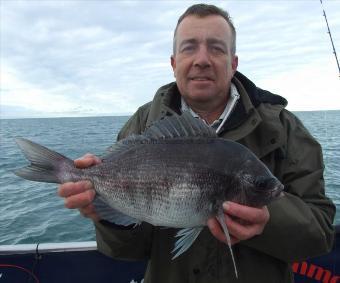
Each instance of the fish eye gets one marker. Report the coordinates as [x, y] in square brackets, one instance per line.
[260, 183]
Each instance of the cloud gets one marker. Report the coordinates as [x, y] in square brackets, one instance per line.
[58, 100]
[79, 58]
[309, 87]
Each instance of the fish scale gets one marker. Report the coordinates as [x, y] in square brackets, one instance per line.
[165, 204]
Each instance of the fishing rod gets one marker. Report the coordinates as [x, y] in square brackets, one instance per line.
[330, 36]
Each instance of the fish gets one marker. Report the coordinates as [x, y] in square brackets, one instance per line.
[176, 174]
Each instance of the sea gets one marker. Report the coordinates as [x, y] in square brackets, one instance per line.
[32, 212]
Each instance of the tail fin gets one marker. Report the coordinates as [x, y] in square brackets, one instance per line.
[46, 165]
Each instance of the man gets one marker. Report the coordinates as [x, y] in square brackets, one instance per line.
[265, 240]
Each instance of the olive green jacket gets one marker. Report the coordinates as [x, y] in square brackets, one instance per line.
[300, 224]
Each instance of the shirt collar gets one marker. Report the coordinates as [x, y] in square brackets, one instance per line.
[217, 124]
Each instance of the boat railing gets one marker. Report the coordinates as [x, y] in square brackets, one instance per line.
[49, 262]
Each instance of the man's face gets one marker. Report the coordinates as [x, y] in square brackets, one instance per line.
[203, 64]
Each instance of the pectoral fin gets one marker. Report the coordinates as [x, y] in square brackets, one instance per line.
[220, 219]
[186, 238]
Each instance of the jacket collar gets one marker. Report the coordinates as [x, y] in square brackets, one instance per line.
[256, 112]
[256, 123]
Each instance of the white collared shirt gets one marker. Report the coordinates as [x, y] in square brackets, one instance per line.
[217, 124]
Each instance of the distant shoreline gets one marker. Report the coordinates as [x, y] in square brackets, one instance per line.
[65, 117]
[128, 115]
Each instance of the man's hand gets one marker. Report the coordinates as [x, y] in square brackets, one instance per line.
[81, 194]
[243, 222]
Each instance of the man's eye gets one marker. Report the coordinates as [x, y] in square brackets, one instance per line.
[217, 49]
[187, 48]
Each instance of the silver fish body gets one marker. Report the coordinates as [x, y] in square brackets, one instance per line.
[176, 174]
[181, 182]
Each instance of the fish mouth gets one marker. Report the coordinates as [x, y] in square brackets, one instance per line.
[277, 192]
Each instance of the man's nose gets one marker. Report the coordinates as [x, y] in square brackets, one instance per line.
[202, 58]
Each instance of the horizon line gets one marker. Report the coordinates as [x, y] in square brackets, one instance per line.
[120, 115]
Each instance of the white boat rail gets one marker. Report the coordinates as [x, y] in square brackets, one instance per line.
[47, 247]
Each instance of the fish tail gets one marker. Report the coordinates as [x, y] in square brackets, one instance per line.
[46, 165]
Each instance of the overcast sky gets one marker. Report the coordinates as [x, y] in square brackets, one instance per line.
[94, 58]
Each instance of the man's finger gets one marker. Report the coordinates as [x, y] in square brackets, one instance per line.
[87, 160]
[249, 214]
[80, 200]
[217, 231]
[240, 231]
[69, 189]
[89, 212]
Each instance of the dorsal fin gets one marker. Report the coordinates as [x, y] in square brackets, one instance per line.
[184, 125]
[175, 126]
[123, 146]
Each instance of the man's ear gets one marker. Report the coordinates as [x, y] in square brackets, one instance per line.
[234, 63]
[173, 63]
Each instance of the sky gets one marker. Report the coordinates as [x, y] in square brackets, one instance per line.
[96, 58]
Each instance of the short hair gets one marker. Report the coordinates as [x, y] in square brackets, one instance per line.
[204, 10]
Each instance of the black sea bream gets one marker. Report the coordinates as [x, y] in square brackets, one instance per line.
[176, 174]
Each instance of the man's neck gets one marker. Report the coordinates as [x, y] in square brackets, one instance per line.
[209, 115]
[207, 111]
